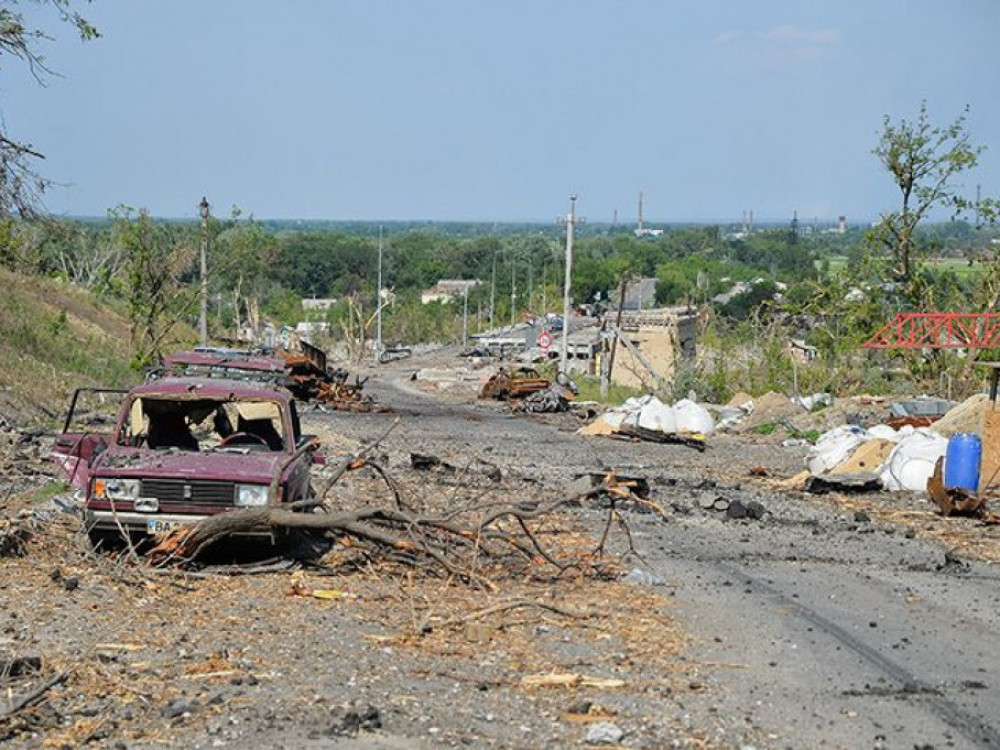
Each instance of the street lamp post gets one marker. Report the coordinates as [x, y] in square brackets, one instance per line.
[465, 318]
[203, 313]
[513, 289]
[378, 302]
[564, 341]
[493, 288]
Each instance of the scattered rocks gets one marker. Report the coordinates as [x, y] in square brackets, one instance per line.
[639, 577]
[354, 721]
[746, 509]
[952, 564]
[179, 707]
[604, 733]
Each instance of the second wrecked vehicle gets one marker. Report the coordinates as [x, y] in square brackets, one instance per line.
[229, 364]
[183, 449]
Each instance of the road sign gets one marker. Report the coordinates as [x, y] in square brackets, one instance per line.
[544, 340]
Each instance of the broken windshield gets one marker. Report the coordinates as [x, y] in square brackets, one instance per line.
[204, 425]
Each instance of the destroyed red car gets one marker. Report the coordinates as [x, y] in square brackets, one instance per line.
[186, 448]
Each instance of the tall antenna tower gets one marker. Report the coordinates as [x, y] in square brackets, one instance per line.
[640, 228]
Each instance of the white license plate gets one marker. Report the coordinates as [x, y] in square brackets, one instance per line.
[156, 526]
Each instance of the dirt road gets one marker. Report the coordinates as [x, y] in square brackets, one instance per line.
[812, 628]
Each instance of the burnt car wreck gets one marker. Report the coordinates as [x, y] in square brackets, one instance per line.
[184, 449]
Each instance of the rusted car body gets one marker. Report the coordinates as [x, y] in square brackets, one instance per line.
[303, 371]
[513, 384]
[183, 449]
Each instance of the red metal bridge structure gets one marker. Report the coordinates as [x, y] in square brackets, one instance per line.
[938, 331]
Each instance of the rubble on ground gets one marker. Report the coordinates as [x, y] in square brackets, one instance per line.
[554, 399]
[311, 379]
[858, 459]
[509, 384]
[768, 409]
[648, 418]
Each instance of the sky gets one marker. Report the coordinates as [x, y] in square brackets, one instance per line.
[464, 110]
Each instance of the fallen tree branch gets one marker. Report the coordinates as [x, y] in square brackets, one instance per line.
[34, 695]
[425, 625]
[461, 545]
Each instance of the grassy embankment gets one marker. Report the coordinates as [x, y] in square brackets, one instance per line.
[959, 266]
[54, 338]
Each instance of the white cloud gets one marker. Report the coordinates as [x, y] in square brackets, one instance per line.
[728, 37]
[788, 33]
[779, 46]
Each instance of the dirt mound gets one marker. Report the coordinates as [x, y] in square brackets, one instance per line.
[966, 417]
[770, 408]
[739, 399]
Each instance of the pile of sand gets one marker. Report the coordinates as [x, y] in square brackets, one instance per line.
[966, 417]
[740, 399]
[770, 408]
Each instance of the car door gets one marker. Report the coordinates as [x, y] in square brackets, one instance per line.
[86, 432]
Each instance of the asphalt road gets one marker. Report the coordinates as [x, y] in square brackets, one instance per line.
[810, 628]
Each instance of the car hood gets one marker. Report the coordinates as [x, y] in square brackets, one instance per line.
[254, 467]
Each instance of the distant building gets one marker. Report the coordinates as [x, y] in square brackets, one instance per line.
[639, 294]
[665, 336]
[309, 305]
[448, 289]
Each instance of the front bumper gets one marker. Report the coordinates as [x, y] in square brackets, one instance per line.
[147, 523]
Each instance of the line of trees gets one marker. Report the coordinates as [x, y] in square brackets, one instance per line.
[259, 271]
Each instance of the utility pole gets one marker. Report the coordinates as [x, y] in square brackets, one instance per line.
[610, 346]
[530, 288]
[571, 222]
[465, 318]
[493, 288]
[545, 278]
[513, 289]
[378, 301]
[203, 312]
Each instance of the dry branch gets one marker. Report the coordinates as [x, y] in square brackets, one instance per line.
[459, 544]
[34, 695]
[427, 626]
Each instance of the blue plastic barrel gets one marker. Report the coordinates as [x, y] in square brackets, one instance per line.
[961, 461]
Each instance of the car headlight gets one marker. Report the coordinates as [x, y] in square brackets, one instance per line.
[125, 490]
[251, 495]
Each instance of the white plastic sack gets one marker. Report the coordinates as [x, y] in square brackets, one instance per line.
[811, 402]
[911, 462]
[693, 418]
[656, 415]
[833, 448]
[884, 432]
[614, 418]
